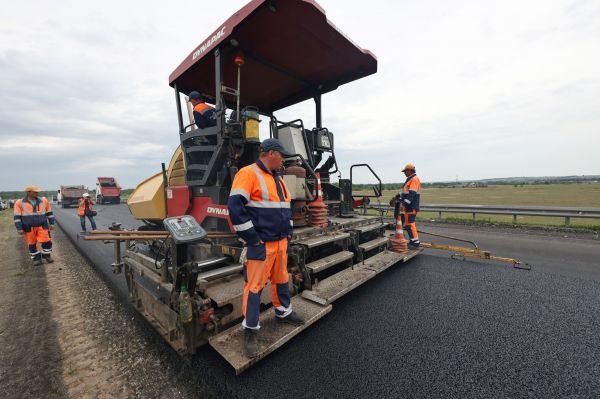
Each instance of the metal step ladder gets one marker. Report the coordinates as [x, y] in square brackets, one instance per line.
[325, 263]
[345, 281]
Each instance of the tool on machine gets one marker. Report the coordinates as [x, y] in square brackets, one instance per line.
[475, 252]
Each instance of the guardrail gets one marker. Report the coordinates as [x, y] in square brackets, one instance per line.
[564, 212]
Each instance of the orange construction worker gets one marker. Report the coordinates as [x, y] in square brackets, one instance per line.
[85, 210]
[34, 220]
[409, 200]
[204, 115]
[259, 208]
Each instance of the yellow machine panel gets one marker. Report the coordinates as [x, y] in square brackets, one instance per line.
[147, 201]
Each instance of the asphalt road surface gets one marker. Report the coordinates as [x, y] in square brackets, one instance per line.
[434, 327]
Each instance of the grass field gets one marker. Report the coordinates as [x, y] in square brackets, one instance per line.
[585, 195]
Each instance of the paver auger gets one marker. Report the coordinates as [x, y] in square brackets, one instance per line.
[266, 57]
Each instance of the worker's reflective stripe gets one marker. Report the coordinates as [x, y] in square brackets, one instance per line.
[263, 183]
[268, 204]
[240, 191]
[46, 251]
[285, 311]
[33, 254]
[244, 226]
[251, 328]
[33, 213]
[407, 201]
[291, 223]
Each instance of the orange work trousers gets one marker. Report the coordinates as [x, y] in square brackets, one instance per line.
[408, 220]
[38, 235]
[266, 261]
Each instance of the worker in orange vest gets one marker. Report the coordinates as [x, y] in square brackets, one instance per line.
[410, 198]
[34, 219]
[259, 209]
[204, 115]
[85, 210]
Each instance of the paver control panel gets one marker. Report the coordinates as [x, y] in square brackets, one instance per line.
[184, 229]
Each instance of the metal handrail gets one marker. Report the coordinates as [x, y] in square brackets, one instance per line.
[517, 210]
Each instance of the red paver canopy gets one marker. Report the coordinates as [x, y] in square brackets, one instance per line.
[291, 51]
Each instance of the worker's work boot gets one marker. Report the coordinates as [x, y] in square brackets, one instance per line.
[250, 343]
[414, 245]
[292, 319]
[49, 259]
[37, 261]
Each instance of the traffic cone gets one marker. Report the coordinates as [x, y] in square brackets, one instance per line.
[317, 209]
[398, 241]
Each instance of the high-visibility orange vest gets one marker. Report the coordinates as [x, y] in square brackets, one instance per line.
[259, 205]
[29, 214]
[411, 193]
[82, 206]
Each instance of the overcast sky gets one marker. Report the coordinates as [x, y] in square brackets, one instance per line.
[464, 89]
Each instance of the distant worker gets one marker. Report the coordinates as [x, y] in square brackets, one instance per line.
[204, 115]
[411, 196]
[408, 201]
[34, 220]
[259, 208]
[85, 210]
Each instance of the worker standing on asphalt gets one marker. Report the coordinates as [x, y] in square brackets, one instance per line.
[85, 210]
[259, 208]
[204, 115]
[34, 220]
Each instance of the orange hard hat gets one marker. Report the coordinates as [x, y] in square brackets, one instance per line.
[409, 166]
[34, 189]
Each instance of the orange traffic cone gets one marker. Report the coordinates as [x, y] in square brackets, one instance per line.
[398, 241]
[317, 209]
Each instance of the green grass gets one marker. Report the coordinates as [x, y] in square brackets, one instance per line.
[584, 195]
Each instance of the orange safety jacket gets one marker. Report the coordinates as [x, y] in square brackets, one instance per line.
[259, 205]
[29, 214]
[411, 193]
[204, 116]
[82, 207]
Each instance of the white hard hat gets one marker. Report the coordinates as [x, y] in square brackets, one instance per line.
[85, 195]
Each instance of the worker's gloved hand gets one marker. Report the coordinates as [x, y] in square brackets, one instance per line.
[244, 256]
[21, 232]
[51, 227]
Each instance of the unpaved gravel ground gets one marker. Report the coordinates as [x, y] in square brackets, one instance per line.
[63, 334]
[30, 357]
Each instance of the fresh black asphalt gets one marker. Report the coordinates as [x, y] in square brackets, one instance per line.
[434, 327]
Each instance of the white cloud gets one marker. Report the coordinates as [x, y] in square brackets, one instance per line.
[474, 89]
[31, 144]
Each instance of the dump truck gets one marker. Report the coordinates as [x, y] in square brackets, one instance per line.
[268, 56]
[108, 191]
[68, 196]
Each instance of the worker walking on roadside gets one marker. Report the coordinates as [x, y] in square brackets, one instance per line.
[259, 209]
[204, 115]
[408, 201]
[85, 210]
[34, 219]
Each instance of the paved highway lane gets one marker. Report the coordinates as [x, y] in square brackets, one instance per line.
[100, 254]
[435, 327]
[561, 252]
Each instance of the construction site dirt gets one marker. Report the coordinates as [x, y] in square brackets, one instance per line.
[434, 327]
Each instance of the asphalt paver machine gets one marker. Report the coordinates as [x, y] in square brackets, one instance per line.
[267, 56]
